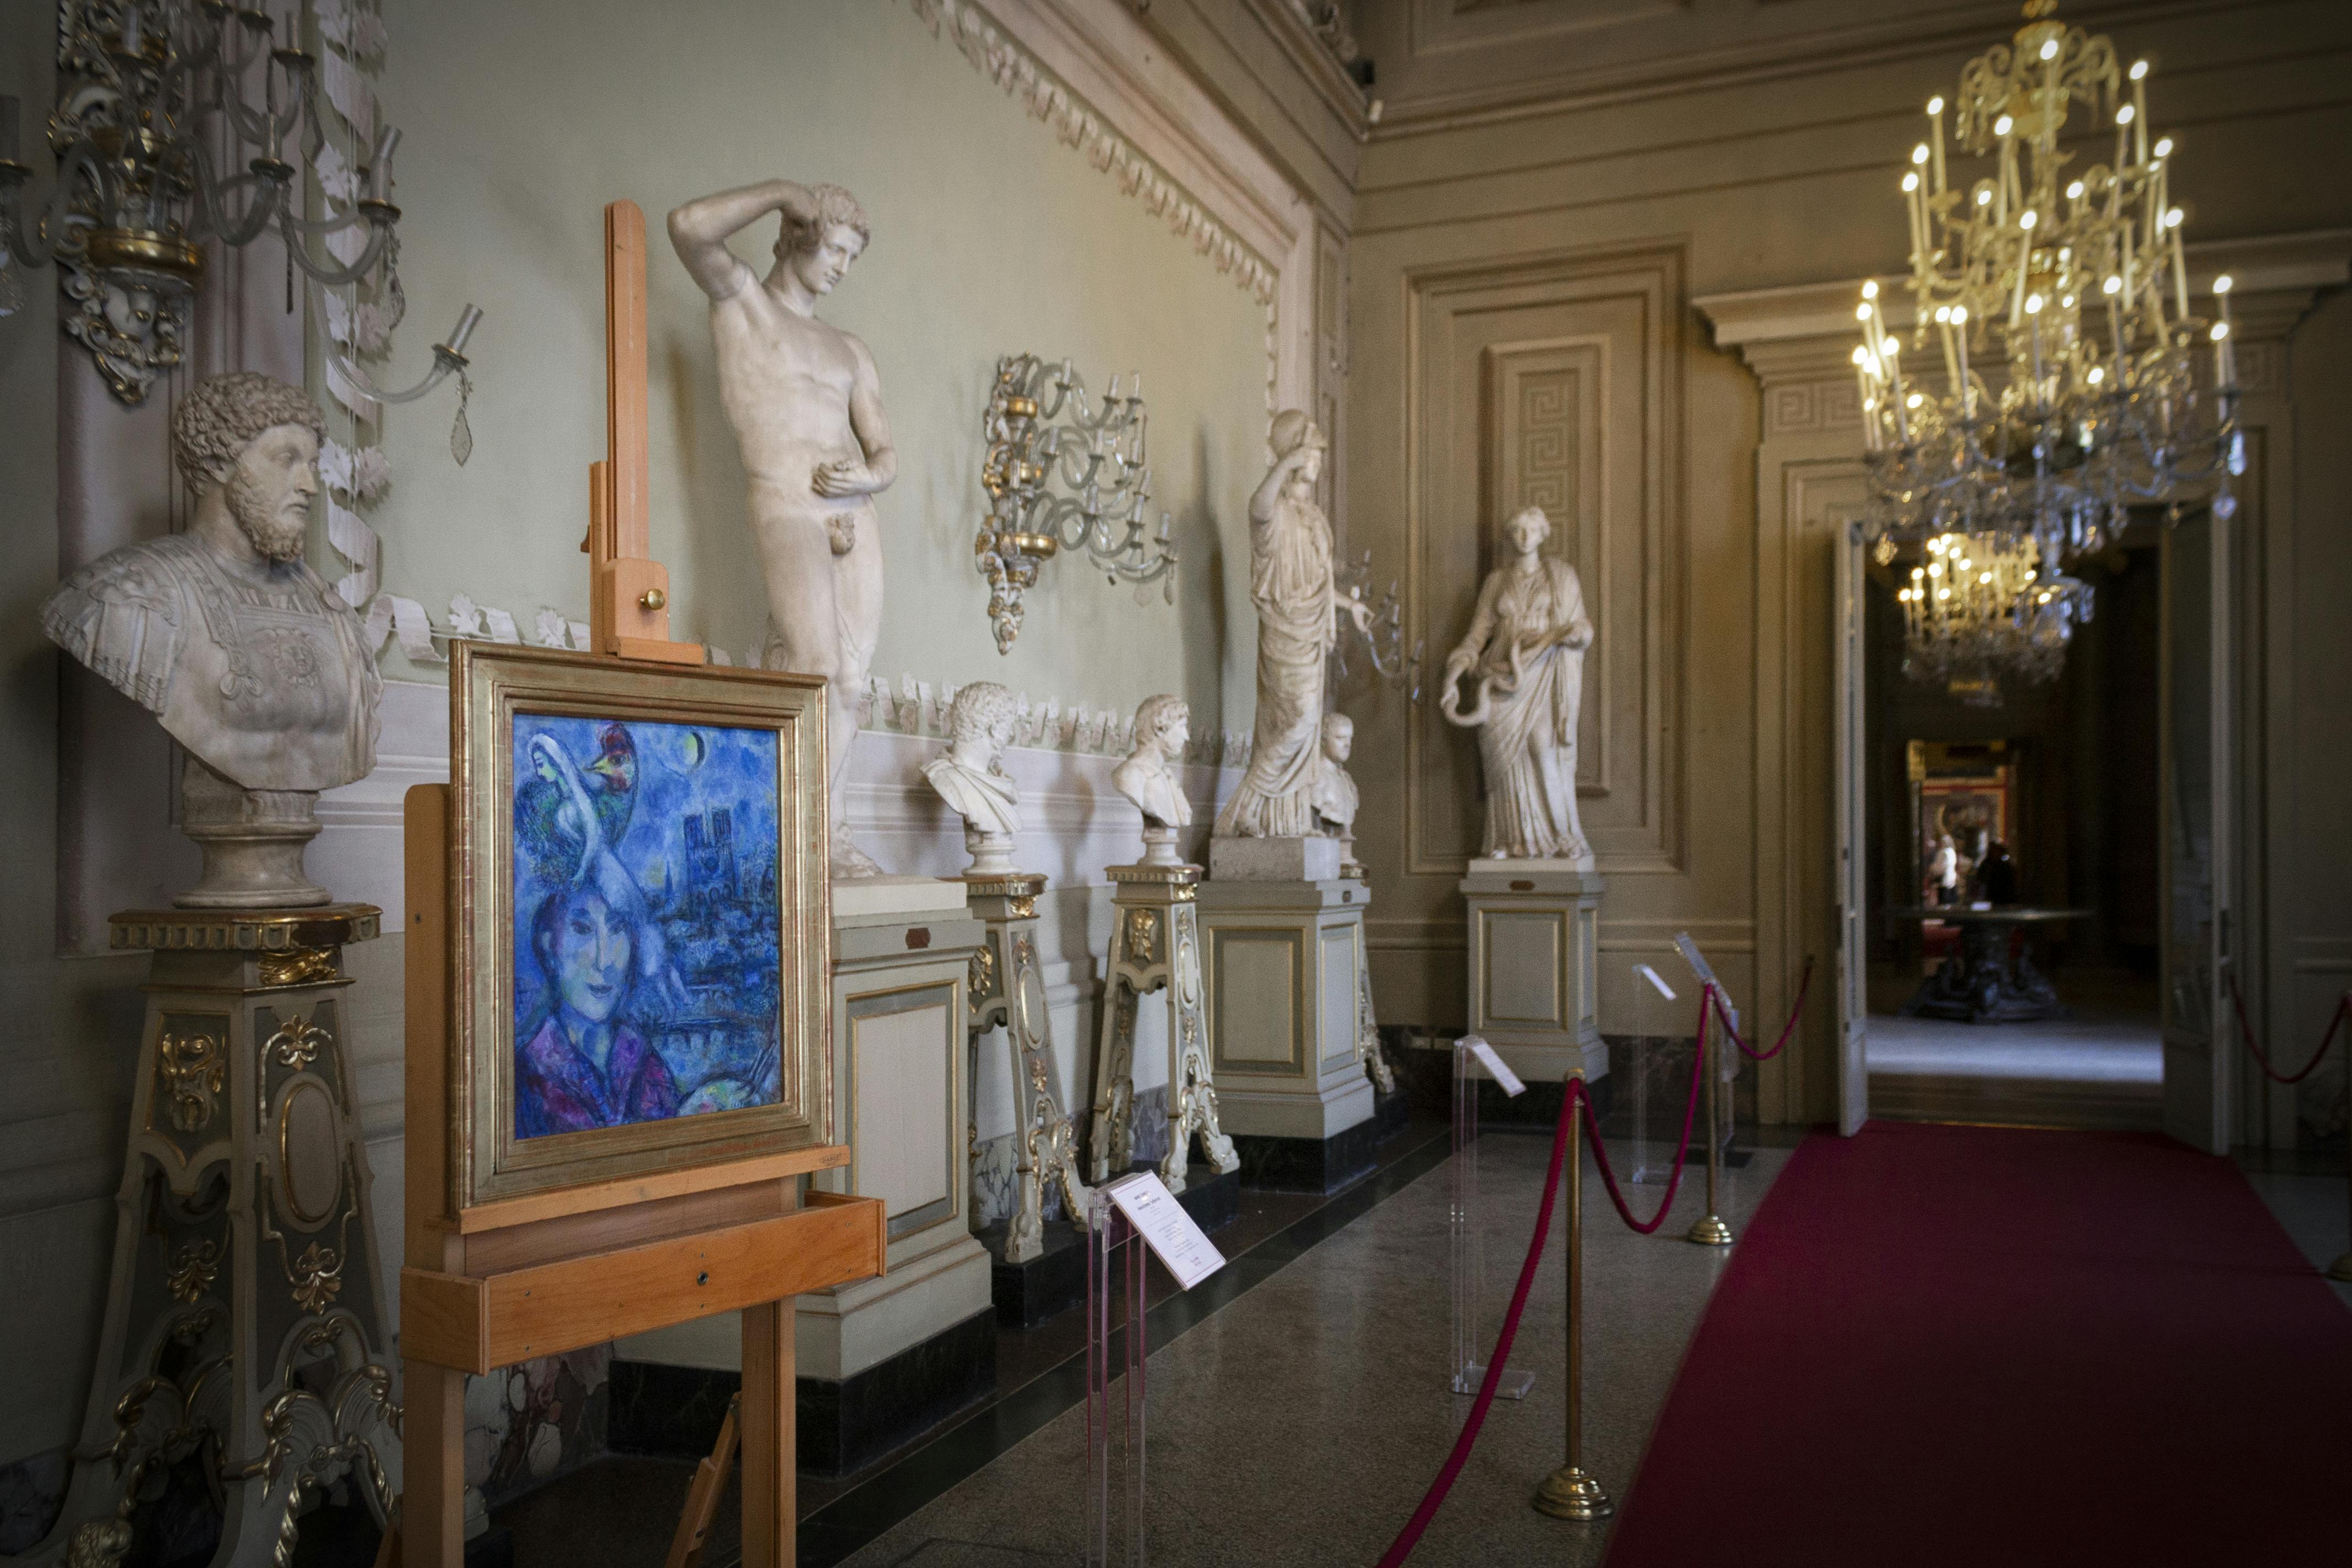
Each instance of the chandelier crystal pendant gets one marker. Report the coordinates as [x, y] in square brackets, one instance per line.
[1098, 454]
[160, 146]
[2055, 378]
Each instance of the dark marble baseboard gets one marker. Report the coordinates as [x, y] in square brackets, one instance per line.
[1391, 1113]
[1308, 1164]
[1213, 1198]
[1052, 1283]
[846, 1426]
[675, 1412]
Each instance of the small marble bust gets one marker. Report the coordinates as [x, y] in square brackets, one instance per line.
[251, 662]
[1163, 726]
[969, 777]
[1335, 792]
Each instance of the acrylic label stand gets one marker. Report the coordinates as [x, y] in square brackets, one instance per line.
[1473, 1058]
[1137, 1208]
[1730, 1071]
[1653, 1155]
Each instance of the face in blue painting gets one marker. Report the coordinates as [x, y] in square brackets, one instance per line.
[587, 946]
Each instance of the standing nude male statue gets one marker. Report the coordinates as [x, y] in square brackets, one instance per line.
[806, 406]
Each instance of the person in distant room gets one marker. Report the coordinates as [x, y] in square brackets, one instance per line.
[1996, 880]
[1944, 871]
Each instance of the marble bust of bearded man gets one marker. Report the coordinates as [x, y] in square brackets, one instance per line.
[251, 662]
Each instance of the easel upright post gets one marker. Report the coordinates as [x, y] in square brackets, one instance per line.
[628, 598]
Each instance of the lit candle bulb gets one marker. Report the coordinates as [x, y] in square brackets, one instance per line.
[1935, 115]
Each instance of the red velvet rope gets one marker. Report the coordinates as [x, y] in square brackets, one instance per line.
[1690, 1111]
[2343, 1005]
[1788, 1030]
[1410, 1536]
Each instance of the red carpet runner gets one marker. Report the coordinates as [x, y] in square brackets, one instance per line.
[1978, 1345]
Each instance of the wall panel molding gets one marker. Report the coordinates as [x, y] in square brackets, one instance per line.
[1554, 379]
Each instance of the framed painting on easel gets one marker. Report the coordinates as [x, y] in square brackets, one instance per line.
[639, 870]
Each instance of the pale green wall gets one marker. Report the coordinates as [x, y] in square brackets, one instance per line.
[522, 119]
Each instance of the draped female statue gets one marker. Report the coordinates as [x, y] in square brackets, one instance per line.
[1525, 650]
[1292, 589]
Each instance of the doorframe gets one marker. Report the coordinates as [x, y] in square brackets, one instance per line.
[1797, 343]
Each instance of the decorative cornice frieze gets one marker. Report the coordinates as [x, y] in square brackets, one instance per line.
[917, 708]
[996, 56]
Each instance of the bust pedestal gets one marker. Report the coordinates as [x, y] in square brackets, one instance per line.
[1533, 966]
[1155, 945]
[1283, 940]
[247, 1303]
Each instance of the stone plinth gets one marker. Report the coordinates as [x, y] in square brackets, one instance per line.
[1283, 963]
[1534, 965]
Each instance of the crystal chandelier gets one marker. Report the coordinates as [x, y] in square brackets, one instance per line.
[2051, 292]
[1098, 455]
[1981, 606]
[160, 147]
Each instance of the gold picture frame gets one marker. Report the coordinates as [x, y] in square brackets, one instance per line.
[521, 825]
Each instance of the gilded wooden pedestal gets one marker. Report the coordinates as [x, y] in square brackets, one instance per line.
[245, 1323]
[1155, 944]
[1007, 989]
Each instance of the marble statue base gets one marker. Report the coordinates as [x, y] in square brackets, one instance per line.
[245, 1277]
[1283, 962]
[881, 1360]
[1314, 859]
[1533, 966]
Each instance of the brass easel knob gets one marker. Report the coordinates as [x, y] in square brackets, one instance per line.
[654, 599]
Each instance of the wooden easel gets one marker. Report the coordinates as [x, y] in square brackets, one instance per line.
[628, 591]
[491, 1284]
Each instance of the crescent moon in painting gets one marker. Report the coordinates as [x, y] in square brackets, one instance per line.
[694, 749]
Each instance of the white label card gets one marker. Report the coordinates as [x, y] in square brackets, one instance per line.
[1492, 1060]
[1651, 975]
[1180, 1245]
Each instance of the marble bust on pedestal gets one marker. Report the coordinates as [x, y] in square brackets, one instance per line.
[249, 660]
[1163, 725]
[969, 777]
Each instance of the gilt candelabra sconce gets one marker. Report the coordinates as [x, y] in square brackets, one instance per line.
[1381, 635]
[1062, 473]
[173, 127]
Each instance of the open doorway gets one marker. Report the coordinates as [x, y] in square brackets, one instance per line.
[2014, 870]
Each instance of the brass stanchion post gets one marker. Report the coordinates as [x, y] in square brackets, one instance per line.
[1569, 1493]
[1711, 1231]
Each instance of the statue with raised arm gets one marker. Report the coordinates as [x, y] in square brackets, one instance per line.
[806, 407]
[1298, 601]
[1525, 650]
[243, 653]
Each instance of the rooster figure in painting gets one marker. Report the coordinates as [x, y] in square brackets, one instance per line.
[565, 812]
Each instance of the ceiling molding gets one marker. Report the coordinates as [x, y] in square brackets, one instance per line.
[1312, 59]
[1820, 52]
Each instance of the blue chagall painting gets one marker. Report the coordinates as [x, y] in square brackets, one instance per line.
[645, 922]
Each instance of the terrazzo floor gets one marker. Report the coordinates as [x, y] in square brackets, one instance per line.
[1301, 1424]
